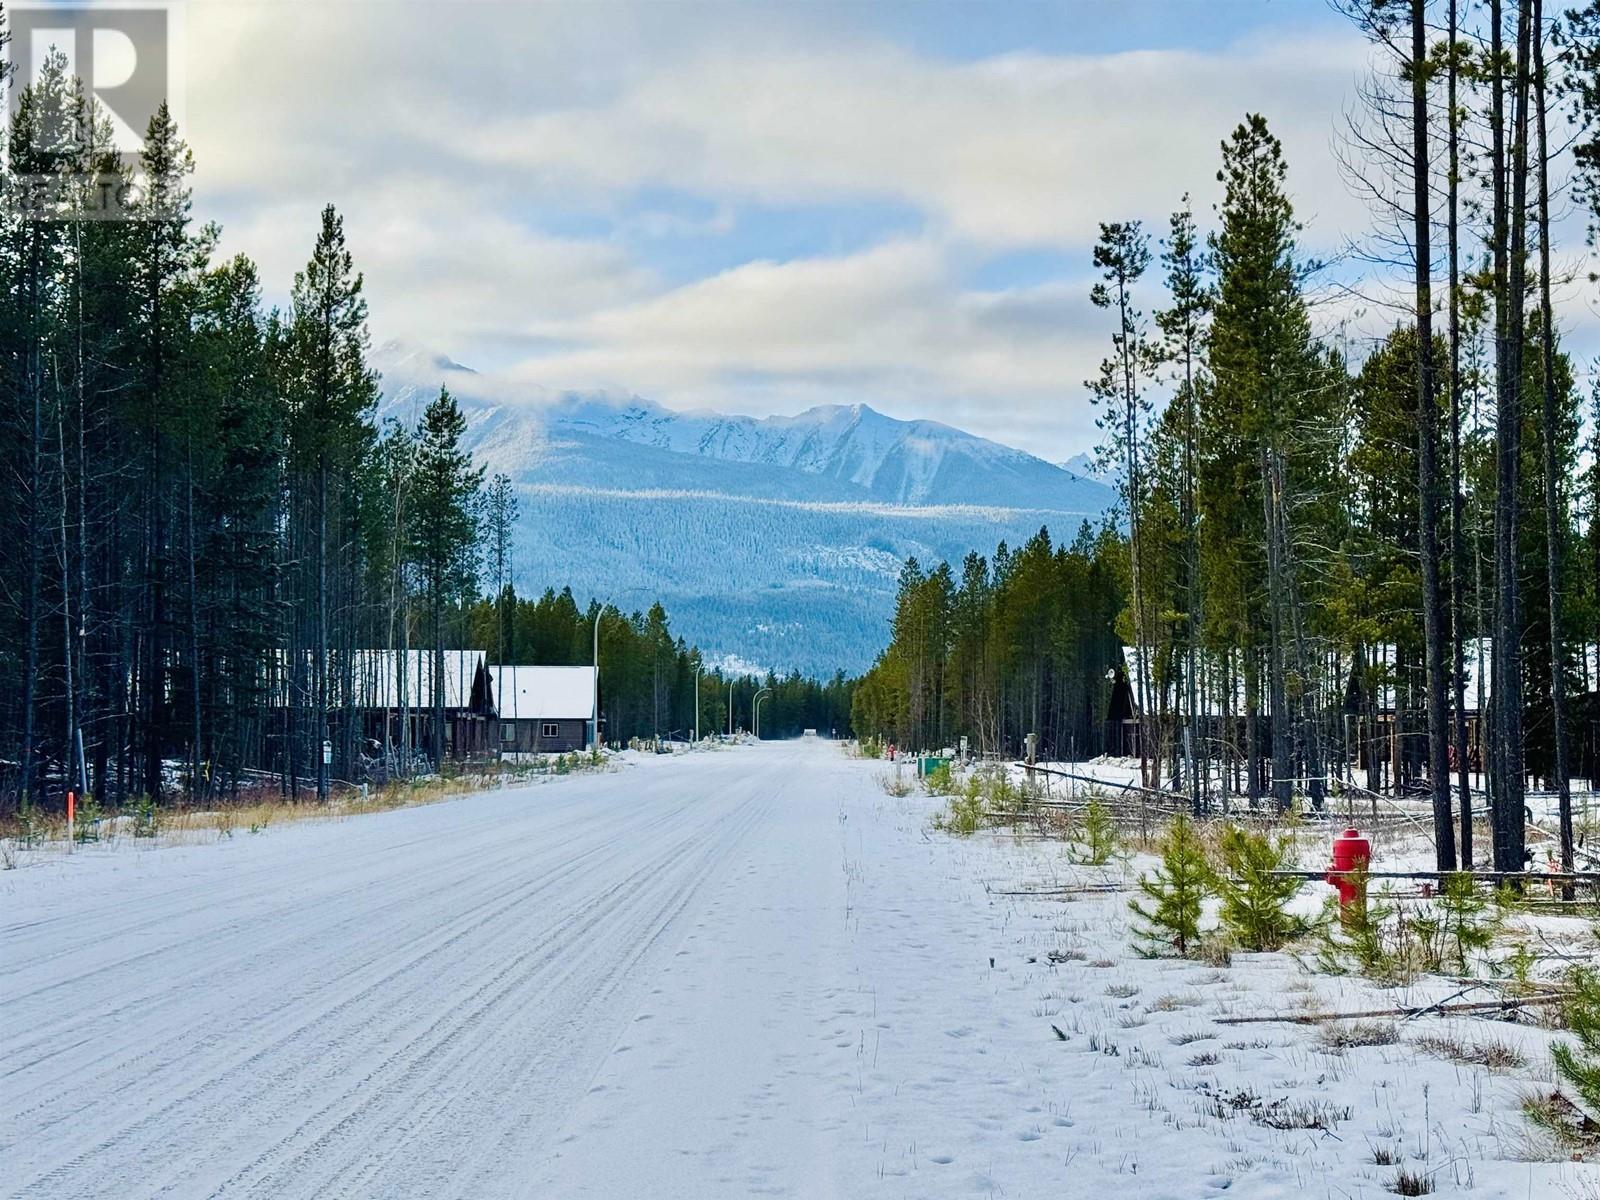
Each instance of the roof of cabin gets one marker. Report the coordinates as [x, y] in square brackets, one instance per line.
[543, 693]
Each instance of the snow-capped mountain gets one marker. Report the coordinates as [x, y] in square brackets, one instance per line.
[776, 539]
[1084, 466]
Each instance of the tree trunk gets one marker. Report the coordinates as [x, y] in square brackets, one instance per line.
[31, 597]
[1458, 561]
[438, 677]
[1433, 622]
[1554, 509]
[1509, 804]
[319, 685]
[1277, 692]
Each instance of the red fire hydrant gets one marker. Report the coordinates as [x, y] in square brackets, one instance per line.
[1351, 855]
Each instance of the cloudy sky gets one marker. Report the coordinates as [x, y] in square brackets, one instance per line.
[758, 207]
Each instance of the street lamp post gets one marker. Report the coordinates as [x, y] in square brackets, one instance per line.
[698, 675]
[595, 743]
[755, 718]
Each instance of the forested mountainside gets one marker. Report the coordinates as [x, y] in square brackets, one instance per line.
[776, 541]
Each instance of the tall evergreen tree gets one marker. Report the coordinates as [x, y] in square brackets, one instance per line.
[1122, 256]
[332, 394]
[444, 525]
[1261, 359]
[1183, 327]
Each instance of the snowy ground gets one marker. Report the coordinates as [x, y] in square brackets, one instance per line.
[747, 972]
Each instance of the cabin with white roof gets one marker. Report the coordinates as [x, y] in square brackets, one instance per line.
[542, 710]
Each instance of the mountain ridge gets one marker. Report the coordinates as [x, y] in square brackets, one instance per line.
[626, 498]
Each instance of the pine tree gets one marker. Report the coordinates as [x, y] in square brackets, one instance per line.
[1262, 366]
[1578, 1063]
[1176, 890]
[237, 444]
[1183, 327]
[500, 519]
[332, 394]
[167, 257]
[1098, 834]
[1580, 81]
[1255, 901]
[444, 529]
[1122, 255]
[1417, 69]
[1456, 52]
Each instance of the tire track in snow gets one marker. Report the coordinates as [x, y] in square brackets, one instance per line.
[336, 1055]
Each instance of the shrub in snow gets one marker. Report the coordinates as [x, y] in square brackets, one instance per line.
[1461, 922]
[1358, 938]
[1452, 932]
[1578, 1064]
[895, 783]
[1174, 892]
[88, 818]
[146, 818]
[1098, 835]
[1255, 902]
[939, 781]
[966, 809]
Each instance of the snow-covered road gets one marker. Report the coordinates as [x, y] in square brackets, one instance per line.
[748, 972]
[406, 1004]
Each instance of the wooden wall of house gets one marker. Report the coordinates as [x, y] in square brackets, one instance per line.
[571, 733]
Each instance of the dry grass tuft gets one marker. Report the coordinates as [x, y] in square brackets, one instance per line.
[256, 810]
[1493, 1053]
[895, 783]
[1409, 1183]
[1171, 1003]
[1341, 1037]
[1567, 1130]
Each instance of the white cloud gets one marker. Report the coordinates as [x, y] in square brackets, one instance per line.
[1017, 150]
[461, 139]
[891, 325]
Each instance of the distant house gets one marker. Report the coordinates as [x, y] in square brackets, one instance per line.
[1380, 723]
[395, 688]
[374, 696]
[542, 710]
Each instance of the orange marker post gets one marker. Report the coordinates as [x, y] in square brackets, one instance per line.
[71, 812]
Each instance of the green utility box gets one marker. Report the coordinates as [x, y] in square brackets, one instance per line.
[928, 764]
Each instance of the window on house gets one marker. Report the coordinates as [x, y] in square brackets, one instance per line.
[550, 729]
[508, 731]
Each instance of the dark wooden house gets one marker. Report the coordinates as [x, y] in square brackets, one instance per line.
[395, 688]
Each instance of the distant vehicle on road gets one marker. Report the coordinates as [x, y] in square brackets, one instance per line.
[810, 733]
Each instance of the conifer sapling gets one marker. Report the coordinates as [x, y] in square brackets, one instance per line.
[1255, 901]
[1176, 891]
